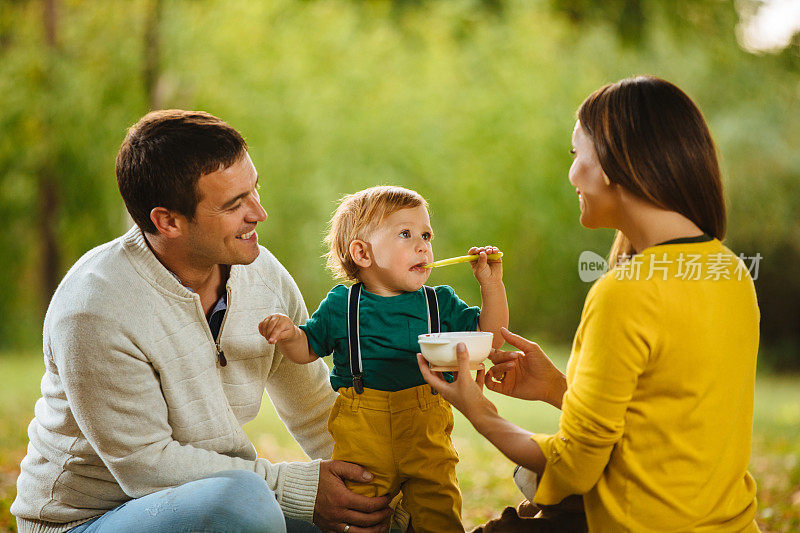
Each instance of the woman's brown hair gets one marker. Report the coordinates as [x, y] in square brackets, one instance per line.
[653, 140]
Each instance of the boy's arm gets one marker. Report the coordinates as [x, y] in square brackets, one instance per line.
[291, 340]
[494, 305]
[494, 311]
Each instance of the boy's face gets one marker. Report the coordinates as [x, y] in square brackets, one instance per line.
[399, 247]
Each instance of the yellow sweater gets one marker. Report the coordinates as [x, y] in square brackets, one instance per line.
[656, 421]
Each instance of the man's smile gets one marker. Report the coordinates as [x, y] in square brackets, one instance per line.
[247, 236]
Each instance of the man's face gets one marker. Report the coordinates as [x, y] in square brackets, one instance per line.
[223, 231]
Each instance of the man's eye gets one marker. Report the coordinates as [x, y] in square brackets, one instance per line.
[405, 234]
[235, 207]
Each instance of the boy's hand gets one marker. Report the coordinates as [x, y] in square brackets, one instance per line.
[486, 271]
[277, 327]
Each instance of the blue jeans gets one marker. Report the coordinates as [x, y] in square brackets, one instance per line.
[234, 500]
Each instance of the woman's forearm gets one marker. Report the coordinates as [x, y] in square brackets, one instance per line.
[557, 389]
[512, 441]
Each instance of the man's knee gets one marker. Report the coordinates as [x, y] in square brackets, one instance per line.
[245, 502]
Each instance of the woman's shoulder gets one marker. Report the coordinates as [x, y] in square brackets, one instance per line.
[620, 289]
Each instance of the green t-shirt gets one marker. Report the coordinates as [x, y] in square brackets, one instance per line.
[389, 327]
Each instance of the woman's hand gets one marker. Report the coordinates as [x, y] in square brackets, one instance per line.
[465, 394]
[527, 374]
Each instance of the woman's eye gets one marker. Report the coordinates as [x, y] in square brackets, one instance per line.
[405, 234]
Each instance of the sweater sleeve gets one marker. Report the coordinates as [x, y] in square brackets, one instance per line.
[612, 348]
[303, 398]
[115, 396]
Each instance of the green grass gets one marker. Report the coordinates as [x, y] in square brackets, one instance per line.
[485, 475]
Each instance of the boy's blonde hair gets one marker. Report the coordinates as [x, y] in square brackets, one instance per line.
[359, 214]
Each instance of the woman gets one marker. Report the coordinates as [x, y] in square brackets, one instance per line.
[657, 402]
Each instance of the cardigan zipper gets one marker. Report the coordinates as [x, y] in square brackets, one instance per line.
[218, 341]
[221, 355]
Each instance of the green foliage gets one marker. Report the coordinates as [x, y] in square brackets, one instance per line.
[472, 106]
[64, 113]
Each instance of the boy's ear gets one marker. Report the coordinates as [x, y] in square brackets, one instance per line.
[360, 252]
[168, 223]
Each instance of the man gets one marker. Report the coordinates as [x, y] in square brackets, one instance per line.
[154, 362]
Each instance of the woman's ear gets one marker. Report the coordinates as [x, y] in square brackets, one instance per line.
[360, 252]
[168, 223]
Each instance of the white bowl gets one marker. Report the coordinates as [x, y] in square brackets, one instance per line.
[440, 348]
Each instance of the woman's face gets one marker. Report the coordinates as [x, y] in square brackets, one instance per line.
[598, 203]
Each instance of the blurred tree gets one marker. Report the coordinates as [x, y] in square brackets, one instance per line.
[473, 110]
[67, 95]
[150, 70]
[48, 180]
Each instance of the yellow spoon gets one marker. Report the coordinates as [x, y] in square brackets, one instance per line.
[462, 259]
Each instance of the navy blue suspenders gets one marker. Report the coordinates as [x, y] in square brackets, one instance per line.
[353, 338]
[356, 369]
[433, 309]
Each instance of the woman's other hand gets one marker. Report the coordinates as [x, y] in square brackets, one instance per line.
[527, 374]
[464, 393]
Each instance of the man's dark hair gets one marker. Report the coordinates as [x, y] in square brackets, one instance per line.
[165, 154]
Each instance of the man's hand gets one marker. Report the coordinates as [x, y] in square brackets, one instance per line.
[337, 506]
[277, 328]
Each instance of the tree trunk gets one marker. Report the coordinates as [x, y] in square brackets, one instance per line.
[47, 182]
[152, 45]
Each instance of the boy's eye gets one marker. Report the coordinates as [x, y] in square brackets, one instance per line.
[572, 151]
[405, 234]
[426, 236]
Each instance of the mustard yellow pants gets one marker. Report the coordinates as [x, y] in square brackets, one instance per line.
[403, 438]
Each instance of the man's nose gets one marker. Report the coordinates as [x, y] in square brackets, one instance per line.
[257, 211]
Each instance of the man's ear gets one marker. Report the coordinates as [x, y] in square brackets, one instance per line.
[168, 223]
[360, 252]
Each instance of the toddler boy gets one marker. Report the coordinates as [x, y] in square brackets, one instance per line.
[386, 417]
